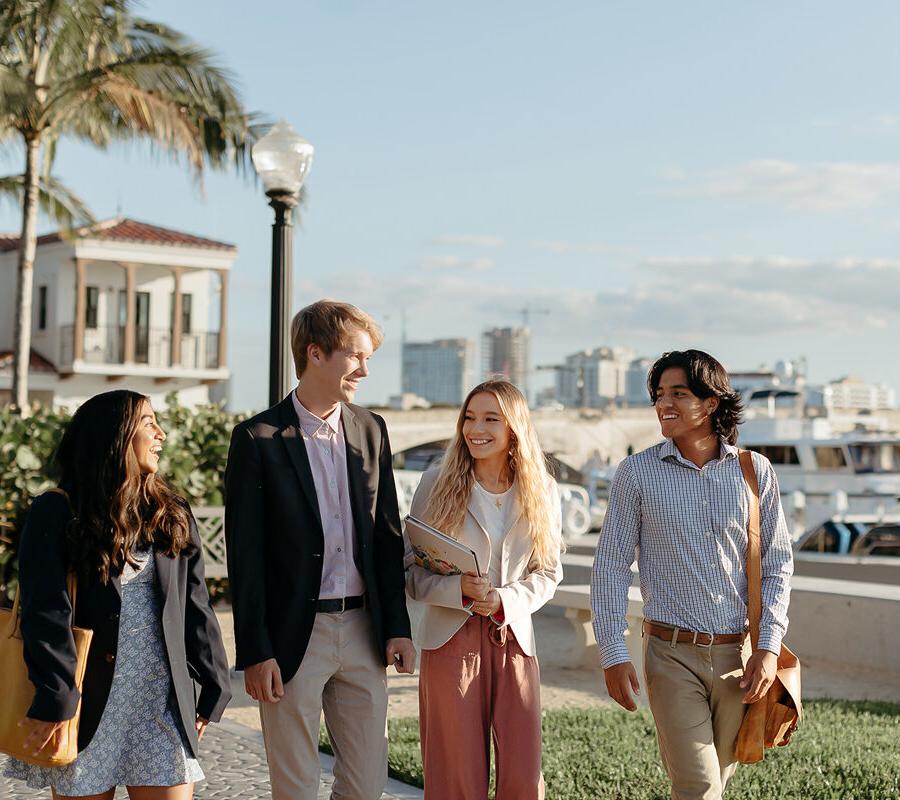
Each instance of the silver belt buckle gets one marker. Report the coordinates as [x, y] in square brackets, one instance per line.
[343, 605]
[703, 633]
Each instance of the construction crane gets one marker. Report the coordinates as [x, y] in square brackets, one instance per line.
[527, 311]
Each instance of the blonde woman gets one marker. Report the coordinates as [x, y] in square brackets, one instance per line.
[479, 674]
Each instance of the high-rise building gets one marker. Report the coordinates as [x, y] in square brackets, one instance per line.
[636, 382]
[504, 354]
[594, 378]
[439, 371]
[854, 393]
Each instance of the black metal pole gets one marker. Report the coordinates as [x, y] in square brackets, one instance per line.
[281, 369]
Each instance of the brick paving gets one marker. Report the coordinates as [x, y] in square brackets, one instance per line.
[234, 761]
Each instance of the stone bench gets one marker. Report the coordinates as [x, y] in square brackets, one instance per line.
[576, 600]
[850, 624]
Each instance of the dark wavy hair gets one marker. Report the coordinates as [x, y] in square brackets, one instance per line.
[706, 378]
[116, 507]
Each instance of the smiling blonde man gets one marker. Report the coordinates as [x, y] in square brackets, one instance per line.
[315, 563]
[682, 506]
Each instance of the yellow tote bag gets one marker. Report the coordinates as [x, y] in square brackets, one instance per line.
[18, 691]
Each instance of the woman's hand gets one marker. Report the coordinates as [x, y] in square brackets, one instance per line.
[201, 724]
[490, 605]
[475, 587]
[41, 734]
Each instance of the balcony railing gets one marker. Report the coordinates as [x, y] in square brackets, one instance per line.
[152, 346]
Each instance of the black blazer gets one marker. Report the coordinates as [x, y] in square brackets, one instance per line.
[274, 534]
[192, 636]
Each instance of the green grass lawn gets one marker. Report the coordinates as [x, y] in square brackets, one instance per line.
[843, 751]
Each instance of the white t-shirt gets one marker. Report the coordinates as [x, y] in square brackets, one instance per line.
[498, 516]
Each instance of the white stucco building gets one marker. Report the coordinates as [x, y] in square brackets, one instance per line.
[120, 304]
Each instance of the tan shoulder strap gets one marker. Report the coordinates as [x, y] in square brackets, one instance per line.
[754, 558]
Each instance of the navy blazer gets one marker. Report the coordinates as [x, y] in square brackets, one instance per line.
[275, 542]
[192, 637]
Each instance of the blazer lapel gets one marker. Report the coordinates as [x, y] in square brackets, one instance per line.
[293, 442]
[356, 475]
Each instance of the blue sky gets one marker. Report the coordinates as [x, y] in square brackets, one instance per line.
[660, 175]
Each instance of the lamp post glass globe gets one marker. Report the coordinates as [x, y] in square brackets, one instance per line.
[282, 159]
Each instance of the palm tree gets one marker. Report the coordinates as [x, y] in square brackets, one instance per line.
[92, 70]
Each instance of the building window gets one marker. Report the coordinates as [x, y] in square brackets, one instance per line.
[186, 315]
[42, 308]
[186, 307]
[92, 302]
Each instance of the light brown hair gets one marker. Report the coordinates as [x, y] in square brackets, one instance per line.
[329, 324]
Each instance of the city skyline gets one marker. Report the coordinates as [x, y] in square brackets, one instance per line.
[725, 178]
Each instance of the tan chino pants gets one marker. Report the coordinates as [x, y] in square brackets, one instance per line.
[696, 700]
[343, 675]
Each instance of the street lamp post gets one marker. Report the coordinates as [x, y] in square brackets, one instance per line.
[282, 159]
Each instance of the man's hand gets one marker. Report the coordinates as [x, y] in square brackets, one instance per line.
[200, 725]
[621, 681]
[40, 734]
[759, 674]
[490, 605]
[263, 681]
[475, 587]
[402, 654]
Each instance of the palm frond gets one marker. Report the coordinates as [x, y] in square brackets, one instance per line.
[59, 203]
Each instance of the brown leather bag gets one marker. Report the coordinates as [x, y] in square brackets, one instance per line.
[771, 720]
[18, 690]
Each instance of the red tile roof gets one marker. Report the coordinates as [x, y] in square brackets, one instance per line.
[123, 229]
[37, 362]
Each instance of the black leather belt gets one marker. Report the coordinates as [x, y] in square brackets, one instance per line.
[341, 604]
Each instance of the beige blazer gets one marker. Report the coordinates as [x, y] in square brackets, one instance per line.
[436, 604]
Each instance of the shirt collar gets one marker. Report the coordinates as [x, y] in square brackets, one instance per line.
[668, 450]
[310, 424]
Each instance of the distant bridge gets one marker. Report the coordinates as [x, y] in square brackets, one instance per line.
[581, 438]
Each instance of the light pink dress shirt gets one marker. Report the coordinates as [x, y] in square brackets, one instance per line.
[326, 449]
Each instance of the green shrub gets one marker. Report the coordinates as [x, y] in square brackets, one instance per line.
[193, 462]
[844, 750]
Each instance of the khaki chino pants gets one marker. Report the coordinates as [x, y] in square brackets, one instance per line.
[696, 700]
[342, 674]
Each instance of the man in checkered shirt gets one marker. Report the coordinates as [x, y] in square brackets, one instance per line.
[682, 508]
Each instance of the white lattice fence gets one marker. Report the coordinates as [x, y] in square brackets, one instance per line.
[211, 526]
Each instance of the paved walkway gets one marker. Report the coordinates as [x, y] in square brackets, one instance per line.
[235, 765]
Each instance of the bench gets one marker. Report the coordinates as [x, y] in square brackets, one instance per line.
[576, 600]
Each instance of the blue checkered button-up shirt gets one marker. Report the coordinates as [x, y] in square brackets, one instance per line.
[688, 528]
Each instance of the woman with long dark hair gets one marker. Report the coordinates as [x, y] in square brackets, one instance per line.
[134, 547]
[480, 679]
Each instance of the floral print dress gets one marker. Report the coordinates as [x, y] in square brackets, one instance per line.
[140, 740]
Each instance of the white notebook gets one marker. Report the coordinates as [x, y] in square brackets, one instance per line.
[437, 552]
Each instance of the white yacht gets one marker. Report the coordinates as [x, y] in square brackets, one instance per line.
[821, 473]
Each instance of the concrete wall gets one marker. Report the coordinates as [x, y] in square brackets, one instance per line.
[848, 624]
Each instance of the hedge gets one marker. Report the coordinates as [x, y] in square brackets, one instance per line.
[193, 462]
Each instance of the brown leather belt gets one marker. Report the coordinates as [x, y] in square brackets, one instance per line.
[694, 637]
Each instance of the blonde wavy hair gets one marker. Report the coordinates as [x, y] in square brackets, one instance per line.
[450, 494]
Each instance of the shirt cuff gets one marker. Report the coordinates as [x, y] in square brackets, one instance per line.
[615, 652]
[770, 640]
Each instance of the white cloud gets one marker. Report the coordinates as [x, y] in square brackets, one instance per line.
[560, 247]
[818, 186]
[470, 240]
[451, 262]
[733, 297]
